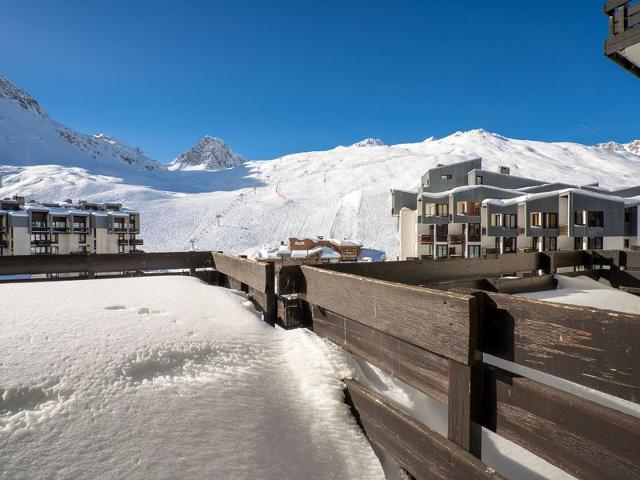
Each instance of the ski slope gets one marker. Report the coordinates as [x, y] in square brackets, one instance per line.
[116, 379]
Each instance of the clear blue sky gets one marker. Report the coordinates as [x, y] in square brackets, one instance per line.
[273, 77]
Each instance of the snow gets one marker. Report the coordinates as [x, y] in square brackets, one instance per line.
[590, 293]
[209, 153]
[342, 192]
[114, 378]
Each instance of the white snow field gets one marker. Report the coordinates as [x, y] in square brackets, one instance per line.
[165, 378]
[339, 193]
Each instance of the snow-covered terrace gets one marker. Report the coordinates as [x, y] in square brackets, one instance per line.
[119, 379]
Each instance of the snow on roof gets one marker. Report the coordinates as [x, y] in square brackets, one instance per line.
[346, 242]
[152, 352]
[465, 188]
[554, 193]
[325, 253]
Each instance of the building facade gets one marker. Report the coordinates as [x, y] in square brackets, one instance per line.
[42, 228]
[462, 210]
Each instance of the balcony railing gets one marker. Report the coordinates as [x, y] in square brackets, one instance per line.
[41, 242]
[59, 227]
[136, 241]
[4, 244]
[118, 228]
[455, 239]
[123, 242]
[623, 44]
[564, 230]
[39, 226]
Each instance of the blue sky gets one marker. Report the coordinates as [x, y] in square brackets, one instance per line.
[274, 77]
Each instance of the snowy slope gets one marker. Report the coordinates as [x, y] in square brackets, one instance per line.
[210, 153]
[29, 136]
[119, 380]
[342, 192]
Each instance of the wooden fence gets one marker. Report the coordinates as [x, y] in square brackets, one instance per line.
[467, 348]
[452, 331]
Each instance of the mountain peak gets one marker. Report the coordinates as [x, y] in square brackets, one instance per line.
[631, 147]
[369, 142]
[210, 153]
[15, 94]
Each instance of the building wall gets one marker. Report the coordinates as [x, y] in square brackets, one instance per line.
[433, 180]
[401, 199]
[408, 234]
[613, 216]
[500, 180]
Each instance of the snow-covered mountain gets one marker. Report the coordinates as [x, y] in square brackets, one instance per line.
[29, 136]
[342, 192]
[369, 142]
[631, 147]
[210, 153]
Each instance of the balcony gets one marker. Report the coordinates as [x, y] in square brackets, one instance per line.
[134, 229]
[4, 244]
[39, 227]
[455, 239]
[60, 228]
[623, 44]
[425, 239]
[118, 228]
[136, 241]
[41, 242]
[123, 242]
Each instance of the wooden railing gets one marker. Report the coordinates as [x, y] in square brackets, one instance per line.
[452, 331]
[467, 349]
[624, 32]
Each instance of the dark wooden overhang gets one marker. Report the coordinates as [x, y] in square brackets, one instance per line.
[623, 44]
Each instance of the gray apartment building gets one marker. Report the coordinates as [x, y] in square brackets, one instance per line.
[462, 210]
[41, 228]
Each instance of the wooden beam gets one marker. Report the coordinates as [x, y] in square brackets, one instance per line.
[595, 348]
[465, 406]
[257, 275]
[419, 450]
[437, 321]
[587, 440]
[422, 370]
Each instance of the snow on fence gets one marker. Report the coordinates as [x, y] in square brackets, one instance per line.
[523, 369]
[560, 381]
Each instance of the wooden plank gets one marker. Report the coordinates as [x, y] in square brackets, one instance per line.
[258, 275]
[420, 272]
[437, 321]
[264, 302]
[41, 264]
[465, 389]
[595, 348]
[587, 440]
[420, 451]
[422, 370]
[567, 258]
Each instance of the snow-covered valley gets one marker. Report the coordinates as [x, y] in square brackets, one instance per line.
[342, 192]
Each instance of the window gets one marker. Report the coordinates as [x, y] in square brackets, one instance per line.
[55, 249]
[82, 238]
[461, 208]
[427, 251]
[473, 251]
[441, 232]
[474, 232]
[54, 238]
[626, 243]
[578, 217]
[496, 220]
[121, 248]
[578, 243]
[550, 243]
[551, 220]
[627, 216]
[446, 177]
[536, 219]
[509, 245]
[479, 180]
[430, 209]
[534, 244]
[442, 251]
[82, 249]
[594, 243]
[442, 209]
[596, 219]
[510, 221]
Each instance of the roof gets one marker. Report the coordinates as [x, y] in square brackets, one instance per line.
[553, 193]
[326, 253]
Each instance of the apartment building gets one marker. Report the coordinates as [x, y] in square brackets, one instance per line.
[41, 228]
[462, 210]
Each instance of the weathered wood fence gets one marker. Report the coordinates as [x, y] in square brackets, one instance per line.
[451, 330]
[467, 349]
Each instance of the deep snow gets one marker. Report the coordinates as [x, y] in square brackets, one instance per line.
[115, 378]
